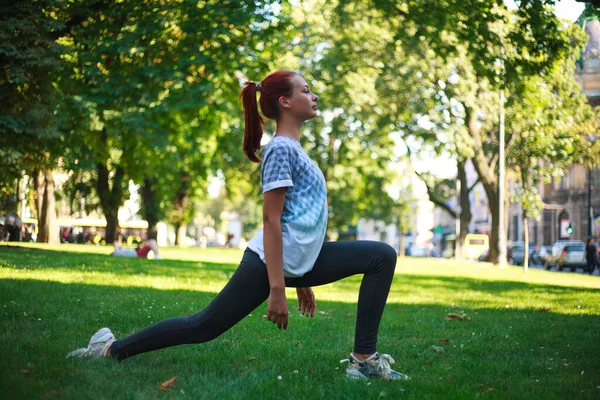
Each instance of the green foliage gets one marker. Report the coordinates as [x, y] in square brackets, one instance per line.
[30, 127]
[549, 119]
[351, 148]
[151, 85]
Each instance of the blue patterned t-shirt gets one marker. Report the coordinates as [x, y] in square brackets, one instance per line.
[304, 216]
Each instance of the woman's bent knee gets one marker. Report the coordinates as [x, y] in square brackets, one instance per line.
[389, 255]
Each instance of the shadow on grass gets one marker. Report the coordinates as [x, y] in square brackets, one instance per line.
[507, 350]
[404, 283]
[13, 257]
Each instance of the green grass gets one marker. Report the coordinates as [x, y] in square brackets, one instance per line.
[53, 298]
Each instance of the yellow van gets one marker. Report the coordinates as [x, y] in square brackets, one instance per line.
[475, 245]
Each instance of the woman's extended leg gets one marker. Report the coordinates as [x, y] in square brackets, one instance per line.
[377, 262]
[247, 289]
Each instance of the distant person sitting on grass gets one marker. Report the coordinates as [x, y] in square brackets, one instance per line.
[141, 251]
[289, 250]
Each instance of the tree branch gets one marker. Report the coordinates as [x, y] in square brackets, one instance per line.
[436, 200]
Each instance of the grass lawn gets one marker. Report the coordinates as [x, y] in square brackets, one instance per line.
[528, 337]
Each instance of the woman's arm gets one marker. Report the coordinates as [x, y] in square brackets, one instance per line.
[277, 305]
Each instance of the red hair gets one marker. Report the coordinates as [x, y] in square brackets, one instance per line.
[271, 89]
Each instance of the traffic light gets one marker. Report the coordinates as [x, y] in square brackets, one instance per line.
[569, 229]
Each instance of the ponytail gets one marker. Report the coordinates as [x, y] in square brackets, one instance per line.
[275, 85]
[253, 130]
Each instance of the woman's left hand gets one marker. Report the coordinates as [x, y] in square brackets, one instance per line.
[306, 301]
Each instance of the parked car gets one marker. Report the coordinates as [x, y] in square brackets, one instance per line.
[572, 256]
[556, 251]
[517, 254]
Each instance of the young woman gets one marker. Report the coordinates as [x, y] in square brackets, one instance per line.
[289, 250]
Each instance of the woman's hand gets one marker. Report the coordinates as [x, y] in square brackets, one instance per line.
[306, 301]
[277, 309]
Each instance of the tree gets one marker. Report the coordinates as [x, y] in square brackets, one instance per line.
[549, 124]
[351, 149]
[140, 70]
[31, 136]
[467, 65]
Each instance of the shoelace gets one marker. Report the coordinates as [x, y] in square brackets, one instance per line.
[383, 363]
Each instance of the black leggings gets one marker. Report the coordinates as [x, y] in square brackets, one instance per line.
[249, 287]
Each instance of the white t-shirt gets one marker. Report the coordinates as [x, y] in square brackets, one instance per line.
[304, 216]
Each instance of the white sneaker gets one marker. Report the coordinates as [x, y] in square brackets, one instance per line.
[377, 366]
[98, 346]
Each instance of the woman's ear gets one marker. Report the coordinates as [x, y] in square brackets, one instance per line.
[284, 102]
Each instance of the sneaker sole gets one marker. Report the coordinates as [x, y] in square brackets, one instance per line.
[354, 374]
[76, 353]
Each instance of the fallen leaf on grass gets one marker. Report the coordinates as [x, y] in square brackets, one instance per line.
[166, 385]
[26, 372]
[437, 349]
[453, 316]
[494, 338]
[444, 341]
[253, 359]
[544, 309]
[486, 388]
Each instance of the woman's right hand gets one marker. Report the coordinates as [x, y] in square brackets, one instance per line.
[277, 309]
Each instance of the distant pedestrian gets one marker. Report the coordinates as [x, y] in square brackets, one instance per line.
[288, 252]
[591, 256]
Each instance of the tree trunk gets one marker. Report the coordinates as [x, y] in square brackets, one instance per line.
[110, 198]
[526, 240]
[181, 204]
[489, 179]
[150, 207]
[47, 220]
[402, 239]
[180, 235]
[465, 209]
[38, 187]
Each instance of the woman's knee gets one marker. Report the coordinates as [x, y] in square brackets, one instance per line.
[388, 255]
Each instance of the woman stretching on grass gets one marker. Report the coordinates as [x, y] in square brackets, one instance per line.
[289, 250]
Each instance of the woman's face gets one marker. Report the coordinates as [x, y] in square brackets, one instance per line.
[303, 102]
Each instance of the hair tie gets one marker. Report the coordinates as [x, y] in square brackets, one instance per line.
[258, 86]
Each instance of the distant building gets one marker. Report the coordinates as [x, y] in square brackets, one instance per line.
[565, 198]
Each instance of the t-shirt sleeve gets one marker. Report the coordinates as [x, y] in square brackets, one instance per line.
[277, 168]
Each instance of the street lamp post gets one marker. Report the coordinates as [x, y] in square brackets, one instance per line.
[591, 139]
[589, 203]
